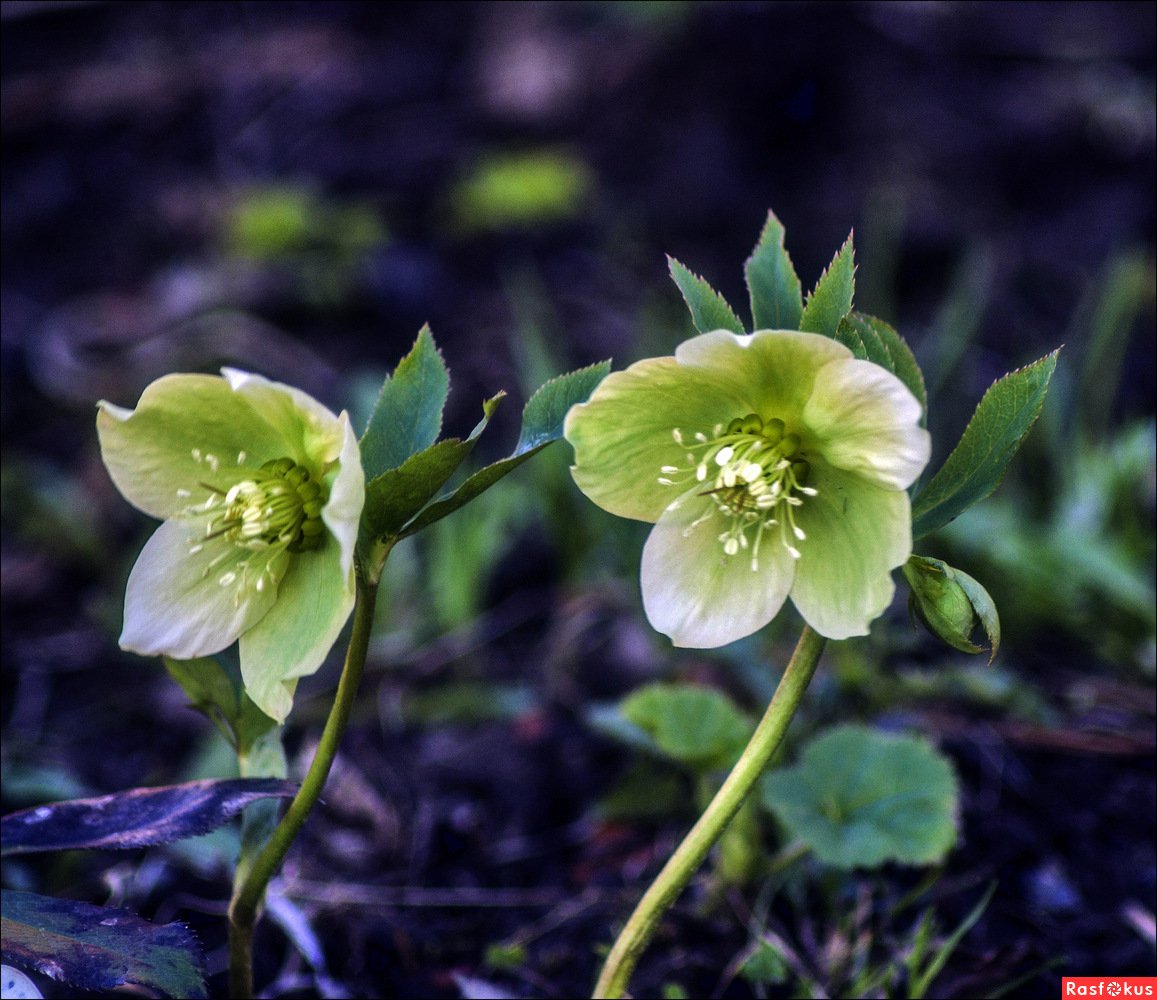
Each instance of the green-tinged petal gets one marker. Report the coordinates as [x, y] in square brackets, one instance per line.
[294, 638]
[857, 533]
[312, 433]
[622, 436]
[772, 371]
[697, 594]
[864, 419]
[183, 427]
[347, 495]
[188, 596]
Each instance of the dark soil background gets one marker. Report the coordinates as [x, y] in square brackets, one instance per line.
[997, 163]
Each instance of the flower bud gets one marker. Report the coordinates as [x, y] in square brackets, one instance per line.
[951, 604]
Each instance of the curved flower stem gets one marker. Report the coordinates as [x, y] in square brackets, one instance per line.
[248, 894]
[689, 855]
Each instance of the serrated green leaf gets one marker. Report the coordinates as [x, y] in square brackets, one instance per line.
[545, 411]
[831, 299]
[398, 494]
[772, 284]
[408, 414]
[977, 464]
[874, 340]
[542, 420]
[139, 817]
[709, 309]
[696, 726]
[100, 947]
[859, 798]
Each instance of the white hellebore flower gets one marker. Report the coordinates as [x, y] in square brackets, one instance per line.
[260, 488]
[772, 464]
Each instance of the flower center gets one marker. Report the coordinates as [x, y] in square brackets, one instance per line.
[274, 510]
[755, 475]
[279, 506]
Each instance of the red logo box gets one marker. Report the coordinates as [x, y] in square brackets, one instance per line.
[1109, 986]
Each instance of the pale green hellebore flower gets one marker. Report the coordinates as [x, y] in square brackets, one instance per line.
[772, 465]
[261, 489]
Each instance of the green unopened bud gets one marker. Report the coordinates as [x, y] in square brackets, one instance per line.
[951, 604]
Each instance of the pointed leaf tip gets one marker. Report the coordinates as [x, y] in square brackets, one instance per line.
[407, 416]
[772, 284]
[709, 309]
[831, 299]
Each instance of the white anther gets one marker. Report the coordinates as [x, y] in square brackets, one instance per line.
[184, 494]
[241, 456]
[808, 491]
[669, 469]
[751, 471]
[195, 549]
[728, 477]
[227, 578]
[701, 472]
[213, 462]
[795, 553]
[196, 453]
[724, 455]
[677, 435]
[674, 504]
[765, 501]
[700, 437]
[664, 481]
[731, 546]
[754, 565]
[798, 533]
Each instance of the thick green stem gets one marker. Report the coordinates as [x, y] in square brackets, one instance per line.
[689, 855]
[248, 894]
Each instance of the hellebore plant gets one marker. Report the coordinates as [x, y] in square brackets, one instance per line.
[277, 523]
[777, 464]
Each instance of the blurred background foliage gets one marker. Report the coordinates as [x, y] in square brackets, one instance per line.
[295, 188]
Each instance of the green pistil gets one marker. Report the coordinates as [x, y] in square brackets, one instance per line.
[279, 506]
[274, 511]
[755, 475]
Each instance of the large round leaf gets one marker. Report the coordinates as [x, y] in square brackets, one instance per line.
[859, 798]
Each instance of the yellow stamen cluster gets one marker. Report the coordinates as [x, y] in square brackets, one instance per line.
[754, 473]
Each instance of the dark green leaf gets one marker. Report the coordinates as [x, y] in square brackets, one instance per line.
[218, 693]
[697, 726]
[859, 798]
[993, 435]
[772, 284]
[874, 340]
[408, 414]
[545, 411]
[99, 947]
[709, 309]
[542, 423]
[831, 300]
[140, 817]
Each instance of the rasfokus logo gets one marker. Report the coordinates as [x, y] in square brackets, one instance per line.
[1109, 986]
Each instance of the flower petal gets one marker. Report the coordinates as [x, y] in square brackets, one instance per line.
[771, 370]
[175, 602]
[622, 435]
[313, 602]
[150, 451]
[857, 533]
[311, 431]
[347, 495]
[866, 420]
[697, 594]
